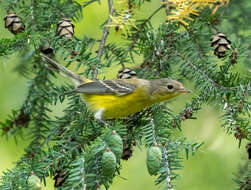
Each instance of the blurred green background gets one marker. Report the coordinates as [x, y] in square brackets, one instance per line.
[210, 169]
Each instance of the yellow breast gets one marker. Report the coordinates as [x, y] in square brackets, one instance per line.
[118, 106]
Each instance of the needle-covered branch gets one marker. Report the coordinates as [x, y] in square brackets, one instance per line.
[78, 151]
[104, 36]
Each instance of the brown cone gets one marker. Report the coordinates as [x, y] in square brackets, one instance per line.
[65, 28]
[221, 44]
[126, 73]
[13, 23]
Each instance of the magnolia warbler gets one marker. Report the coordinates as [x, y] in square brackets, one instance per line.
[120, 97]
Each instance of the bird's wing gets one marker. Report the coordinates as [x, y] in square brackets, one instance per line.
[119, 88]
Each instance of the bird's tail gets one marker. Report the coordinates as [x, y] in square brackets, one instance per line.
[53, 65]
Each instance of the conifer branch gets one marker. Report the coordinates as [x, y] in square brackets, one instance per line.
[167, 8]
[196, 69]
[104, 37]
[197, 45]
[20, 121]
[153, 130]
[141, 26]
[209, 79]
[32, 9]
[88, 3]
[153, 14]
[61, 156]
[168, 178]
[71, 147]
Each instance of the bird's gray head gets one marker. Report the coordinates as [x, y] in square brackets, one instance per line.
[166, 88]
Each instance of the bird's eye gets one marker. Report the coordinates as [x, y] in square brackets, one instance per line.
[170, 87]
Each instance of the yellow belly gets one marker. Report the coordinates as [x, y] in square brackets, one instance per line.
[117, 106]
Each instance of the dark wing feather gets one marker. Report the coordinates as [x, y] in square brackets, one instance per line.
[106, 87]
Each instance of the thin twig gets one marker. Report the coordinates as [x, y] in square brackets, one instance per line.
[134, 38]
[168, 178]
[32, 9]
[104, 37]
[32, 14]
[153, 127]
[153, 14]
[215, 29]
[98, 173]
[20, 121]
[83, 177]
[214, 83]
[200, 71]
[153, 130]
[204, 74]
[123, 65]
[129, 4]
[121, 177]
[167, 8]
[61, 156]
[197, 46]
[106, 30]
[88, 3]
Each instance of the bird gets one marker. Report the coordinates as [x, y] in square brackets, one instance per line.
[119, 98]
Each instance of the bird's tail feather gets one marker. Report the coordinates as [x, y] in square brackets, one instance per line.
[53, 65]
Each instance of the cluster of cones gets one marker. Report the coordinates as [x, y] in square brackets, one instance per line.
[15, 25]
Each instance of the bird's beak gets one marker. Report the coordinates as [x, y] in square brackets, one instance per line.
[184, 90]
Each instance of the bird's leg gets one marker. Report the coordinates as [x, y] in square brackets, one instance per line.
[98, 116]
